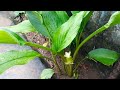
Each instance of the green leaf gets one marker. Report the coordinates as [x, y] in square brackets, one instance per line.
[37, 22]
[7, 36]
[67, 32]
[47, 73]
[74, 12]
[104, 56]
[62, 15]
[47, 22]
[13, 57]
[114, 19]
[86, 18]
[51, 21]
[23, 27]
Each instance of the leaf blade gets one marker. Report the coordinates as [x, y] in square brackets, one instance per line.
[23, 27]
[74, 12]
[62, 15]
[47, 73]
[14, 57]
[104, 56]
[7, 36]
[51, 21]
[62, 37]
[36, 20]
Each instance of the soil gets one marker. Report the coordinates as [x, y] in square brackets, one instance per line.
[86, 70]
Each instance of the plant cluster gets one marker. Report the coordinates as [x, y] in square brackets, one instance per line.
[63, 31]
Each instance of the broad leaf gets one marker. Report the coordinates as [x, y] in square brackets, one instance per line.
[67, 32]
[46, 22]
[47, 74]
[12, 58]
[23, 27]
[62, 15]
[74, 12]
[37, 21]
[114, 19]
[7, 36]
[104, 56]
[51, 21]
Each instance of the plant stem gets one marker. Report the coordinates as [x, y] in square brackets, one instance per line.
[88, 38]
[77, 42]
[69, 69]
[38, 46]
[78, 39]
[54, 60]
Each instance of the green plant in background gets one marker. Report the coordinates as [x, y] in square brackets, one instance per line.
[63, 32]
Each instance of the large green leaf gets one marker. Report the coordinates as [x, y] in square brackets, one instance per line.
[85, 20]
[7, 36]
[62, 15]
[104, 56]
[51, 21]
[67, 32]
[114, 19]
[12, 58]
[47, 73]
[46, 22]
[23, 27]
[37, 21]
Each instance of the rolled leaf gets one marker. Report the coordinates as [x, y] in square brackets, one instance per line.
[114, 19]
